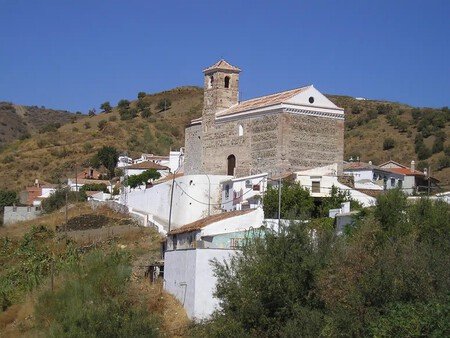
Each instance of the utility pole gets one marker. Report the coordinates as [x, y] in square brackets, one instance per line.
[76, 182]
[279, 203]
[209, 195]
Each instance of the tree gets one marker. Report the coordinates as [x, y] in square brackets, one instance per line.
[164, 104]
[106, 107]
[141, 95]
[123, 105]
[7, 197]
[136, 180]
[92, 112]
[108, 157]
[146, 113]
[296, 202]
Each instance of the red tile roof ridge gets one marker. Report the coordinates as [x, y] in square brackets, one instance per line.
[259, 102]
[201, 223]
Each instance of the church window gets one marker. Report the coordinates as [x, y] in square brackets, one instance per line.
[231, 165]
[311, 99]
[240, 130]
[227, 82]
[211, 81]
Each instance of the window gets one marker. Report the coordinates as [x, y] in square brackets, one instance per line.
[240, 130]
[392, 182]
[248, 184]
[315, 187]
[227, 82]
[227, 191]
[231, 165]
[311, 100]
[400, 184]
[174, 242]
[211, 81]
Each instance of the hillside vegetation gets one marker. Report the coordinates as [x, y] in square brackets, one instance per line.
[20, 122]
[154, 123]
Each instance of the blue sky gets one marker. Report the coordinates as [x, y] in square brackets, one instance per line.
[77, 54]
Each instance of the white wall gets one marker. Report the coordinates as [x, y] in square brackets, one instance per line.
[189, 276]
[190, 199]
[239, 185]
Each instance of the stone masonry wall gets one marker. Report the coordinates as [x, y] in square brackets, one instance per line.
[193, 150]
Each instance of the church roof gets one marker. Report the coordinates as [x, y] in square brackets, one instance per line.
[222, 65]
[263, 101]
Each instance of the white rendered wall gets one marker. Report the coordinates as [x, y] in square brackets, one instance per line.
[189, 276]
[190, 199]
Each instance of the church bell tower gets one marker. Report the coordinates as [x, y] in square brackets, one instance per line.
[221, 90]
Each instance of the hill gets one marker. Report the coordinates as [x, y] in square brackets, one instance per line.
[154, 123]
[19, 122]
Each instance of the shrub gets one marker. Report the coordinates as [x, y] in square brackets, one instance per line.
[50, 127]
[7, 197]
[128, 114]
[91, 112]
[8, 159]
[388, 143]
[87, 147]
[146, 113]
[164, 104]
[58, 199]
[443, 162]
[423, 152]
[93, 301]
[95, 187]
[123, 104]
[141, 95]
[101, 124]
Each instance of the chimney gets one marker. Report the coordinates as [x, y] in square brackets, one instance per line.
[413, 166]
[370, 162]
[36, 182]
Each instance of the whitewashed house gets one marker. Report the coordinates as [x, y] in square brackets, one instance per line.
[372, 177]
[243, 192]
[188, 272]
[320, 181]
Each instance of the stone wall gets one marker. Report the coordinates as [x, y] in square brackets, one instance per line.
[193, 150]
[274, 143]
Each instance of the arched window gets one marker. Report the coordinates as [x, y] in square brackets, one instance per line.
[240, 130]
[231, 164]
[227, 82]
[211, 81]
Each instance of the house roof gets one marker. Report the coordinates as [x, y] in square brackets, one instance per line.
[221, 65]
[405, 171]
[263, 101]
[147, 165]
[350, 166]
[197, 225]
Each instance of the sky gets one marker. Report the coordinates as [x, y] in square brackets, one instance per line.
[74, 55]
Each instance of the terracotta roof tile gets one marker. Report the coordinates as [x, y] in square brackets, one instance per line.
[208, 220]
[221, 64]
[263, 101]
[147, 165]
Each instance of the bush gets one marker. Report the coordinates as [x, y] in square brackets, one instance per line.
[443, 162]
[128, 114]
[164, 104]
[388, 143]
[141, 95]
[91, 112]
[58, 199]
[101, 124]
[146, 113]
[123, 104]
[423, 152]
[93, 302]
[7, 198]
[51, 127]
[95, 187]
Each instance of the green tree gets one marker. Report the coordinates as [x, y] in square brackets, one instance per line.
[108, 157]
[146, 113]
[106, 107]
[164, 104]
[7, 198]
[91, 112]
[123, 104]
[296, 203]
[136, 180]
[141, 95]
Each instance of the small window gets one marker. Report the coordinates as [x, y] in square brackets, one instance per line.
[392, 182]
[227, 191]
[227, 82]
[311, 99]
[211, 81]
[240, 130]
[316, 187]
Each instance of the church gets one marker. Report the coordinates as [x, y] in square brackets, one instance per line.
[279, 133]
